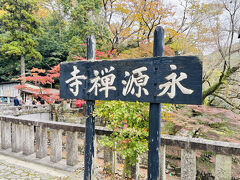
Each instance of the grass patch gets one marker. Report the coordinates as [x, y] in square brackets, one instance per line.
[217, 125]
[169, 128]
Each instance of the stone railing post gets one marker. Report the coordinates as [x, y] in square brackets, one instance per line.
[188, 164]
[24, 108]
[56, 145]
[6, 134]
[135, 170]
[72, 148]
[114, 162]
[223, 168]
[162, 162]
[28, 139]
[0, 127]
[41, 142]
[17, 143]
[110, 160]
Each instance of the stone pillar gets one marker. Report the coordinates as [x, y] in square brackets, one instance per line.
[28, 140]
[188, 164]
[110, 160]
[17, 143]
[41, 142]
[0, 125]
[162, 162]
[6, 134]
[114, 162]
[72, 148]
[135, 170]
[223, 167]
[56, 145]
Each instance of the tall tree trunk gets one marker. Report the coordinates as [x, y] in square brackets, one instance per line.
[60, 30]
[22, 66]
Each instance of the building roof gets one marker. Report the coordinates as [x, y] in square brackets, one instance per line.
[33, 89]
[10, 82]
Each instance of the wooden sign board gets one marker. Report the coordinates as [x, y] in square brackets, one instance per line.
[176, 80]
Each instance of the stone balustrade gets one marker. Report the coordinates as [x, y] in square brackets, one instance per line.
[223, 150]
[24, 109]
[30, 139]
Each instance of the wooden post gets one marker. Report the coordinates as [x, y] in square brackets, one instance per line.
[155, 116]
[90, 122]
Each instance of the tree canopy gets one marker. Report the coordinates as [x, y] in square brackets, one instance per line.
[19, 28]
[123, 28]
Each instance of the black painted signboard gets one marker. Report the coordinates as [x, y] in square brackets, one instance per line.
[176, 80]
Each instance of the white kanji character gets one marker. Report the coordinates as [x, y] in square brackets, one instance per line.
[75, 80]
[95, 83]
[104, 83]
[175, 81]
[138, 79]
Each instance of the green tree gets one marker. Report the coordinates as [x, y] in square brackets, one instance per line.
[82, 11]
[129, 122]
[67, 25]
[19, 28]
[52, 48]
[59, 12]
[9, 68]
[85, 20]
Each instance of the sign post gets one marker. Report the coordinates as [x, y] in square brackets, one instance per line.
[155, 116]
[89, 154]
[175, 80]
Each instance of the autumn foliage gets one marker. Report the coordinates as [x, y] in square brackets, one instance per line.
[41, 79]
[108, 54]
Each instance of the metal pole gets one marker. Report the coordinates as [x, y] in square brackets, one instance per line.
[90, 122]
[155, 117]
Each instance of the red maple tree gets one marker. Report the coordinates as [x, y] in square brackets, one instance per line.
[41, 78]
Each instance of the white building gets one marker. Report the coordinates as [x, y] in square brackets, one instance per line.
[8, 91]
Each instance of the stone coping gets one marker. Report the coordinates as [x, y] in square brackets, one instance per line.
[218, 147]
[54, 125]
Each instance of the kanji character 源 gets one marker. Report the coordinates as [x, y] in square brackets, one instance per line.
[138, 80]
